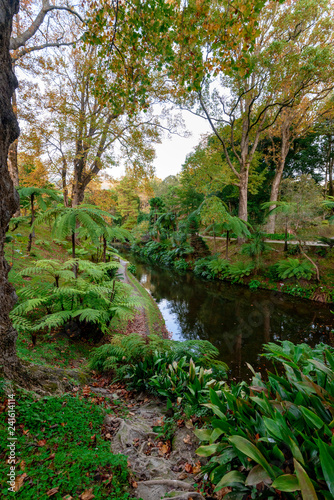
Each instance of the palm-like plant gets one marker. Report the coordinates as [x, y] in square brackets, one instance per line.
[67, 220]
[59, 296]
[256, 247]
[40, 195]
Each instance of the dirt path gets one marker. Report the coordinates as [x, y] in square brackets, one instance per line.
[159, 467]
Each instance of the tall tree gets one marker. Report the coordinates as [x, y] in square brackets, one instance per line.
[9, 131]
[37, 26]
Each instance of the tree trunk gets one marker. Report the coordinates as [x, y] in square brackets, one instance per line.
[64, 182]
[227, 240]
[243, 195]
[104, 249]
[12, 158]
[9, 203]
[285, 146]
[32, 232]
[78, 192]
[243, 199]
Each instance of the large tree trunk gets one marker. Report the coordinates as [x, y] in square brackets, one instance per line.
[9, 202]
[243, 194]
[12, 158]
[285, 146]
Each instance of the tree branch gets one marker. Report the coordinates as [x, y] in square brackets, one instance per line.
[21, 40]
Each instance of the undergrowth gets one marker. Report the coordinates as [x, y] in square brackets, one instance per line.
[60, 451]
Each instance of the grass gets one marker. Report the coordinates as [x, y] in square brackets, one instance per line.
[60, 451]
[156, 323]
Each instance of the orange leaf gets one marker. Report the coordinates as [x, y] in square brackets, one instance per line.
[42, 442]
[188, 468]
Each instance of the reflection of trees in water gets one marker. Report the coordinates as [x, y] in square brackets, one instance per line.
[236, 320]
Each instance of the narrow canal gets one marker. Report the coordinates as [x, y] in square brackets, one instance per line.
[236, 320]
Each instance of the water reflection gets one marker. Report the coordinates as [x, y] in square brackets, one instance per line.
[236, 320]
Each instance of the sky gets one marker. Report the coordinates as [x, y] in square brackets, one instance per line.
[172, 152]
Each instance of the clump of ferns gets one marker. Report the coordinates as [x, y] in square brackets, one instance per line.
[125, 354]
[50, 295]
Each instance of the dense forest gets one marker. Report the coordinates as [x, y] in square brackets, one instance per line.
[97, 399]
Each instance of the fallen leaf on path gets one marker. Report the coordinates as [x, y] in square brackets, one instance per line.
[187, 439]
[52, 492]
[197, 468]
[19, 481]
[188, 468]
[87, 495]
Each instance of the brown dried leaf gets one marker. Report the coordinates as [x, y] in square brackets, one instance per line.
[197, 468]
[188, 468]
[187, 439]
[87, 495]
[42, 442]
[19, 481]
[52, 492]
[22, 465]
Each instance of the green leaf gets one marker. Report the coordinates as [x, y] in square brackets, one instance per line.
[206, 451]
[311, 418]
[230, 478]
[327, 465]
[306, 486]
[250, 450]
[203, 434]
[286, 482]
[257, 475]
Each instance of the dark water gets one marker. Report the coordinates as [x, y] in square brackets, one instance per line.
[236, 320]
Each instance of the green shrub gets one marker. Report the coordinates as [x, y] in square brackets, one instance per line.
[272, 273]
[132, 268]
[293, 268]
[254, 284]
[202, 268]
[219, 267]
[175, 370]
[54, 298]
[293, 250]
[275, 436]
[181, 265]
[239, 270]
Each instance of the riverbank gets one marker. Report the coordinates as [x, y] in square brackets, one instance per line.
[292, 273]
[148, 320]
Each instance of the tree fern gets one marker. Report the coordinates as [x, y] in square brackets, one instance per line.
[59, 297]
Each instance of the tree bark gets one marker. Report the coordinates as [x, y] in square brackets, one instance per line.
[9, 203]
[285, 146]
[12, 158]
[243, 196]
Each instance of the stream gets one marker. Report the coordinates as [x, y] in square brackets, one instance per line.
[233, 318]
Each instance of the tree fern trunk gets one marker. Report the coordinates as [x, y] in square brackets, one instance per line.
[9, 131]
[32, 233]
[227, 239]
[104, 249]
[75, 267]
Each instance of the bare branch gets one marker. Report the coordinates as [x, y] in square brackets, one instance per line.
[27, 50]
[21, 40]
